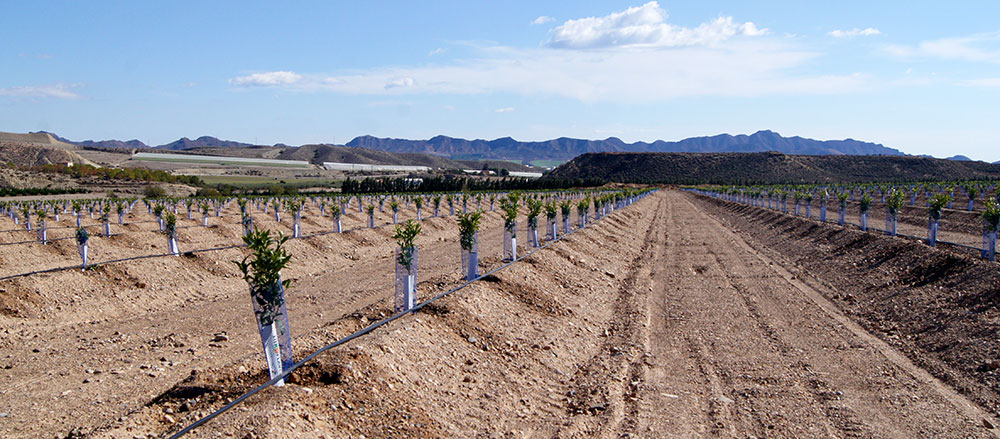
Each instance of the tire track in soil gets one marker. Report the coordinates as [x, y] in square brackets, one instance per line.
[814, 354]
[842, 419]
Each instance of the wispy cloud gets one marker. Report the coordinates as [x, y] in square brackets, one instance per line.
[267, 79]
[504, 110]
[542, 20]
[60, 91]
[400, 83]
[866, 32]
[437, 51]
[977, 48]
[647, 26]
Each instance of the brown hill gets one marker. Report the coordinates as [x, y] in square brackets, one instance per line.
[767, 168]
[35, 149]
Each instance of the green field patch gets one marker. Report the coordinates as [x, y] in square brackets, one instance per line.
[546, 163]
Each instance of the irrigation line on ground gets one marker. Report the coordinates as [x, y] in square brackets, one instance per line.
[133, 258]
[114, 223]
[364, 331]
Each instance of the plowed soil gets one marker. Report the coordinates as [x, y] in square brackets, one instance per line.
[666, 319]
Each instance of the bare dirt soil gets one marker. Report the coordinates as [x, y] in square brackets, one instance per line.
[664, 320]
[939, 305]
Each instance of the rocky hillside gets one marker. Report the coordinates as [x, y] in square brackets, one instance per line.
[767, 168]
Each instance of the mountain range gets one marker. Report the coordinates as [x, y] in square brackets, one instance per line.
[565, 148]
[561, 149]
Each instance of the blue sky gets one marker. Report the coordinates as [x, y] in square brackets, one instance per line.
[923, 77]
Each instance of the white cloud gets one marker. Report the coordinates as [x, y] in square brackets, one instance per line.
[628, 76]
[542, 20]
[437, 51]
[400, 82]
[644, 26]
[267, 79]
[504, 110]
[61, 91]
[653, 71]
[976, 48]
[866, 32]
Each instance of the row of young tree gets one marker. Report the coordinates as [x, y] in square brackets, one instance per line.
[937, 197]
[165, 211]
[262, 267]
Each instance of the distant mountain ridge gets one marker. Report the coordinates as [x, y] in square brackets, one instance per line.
[561, 149]
[565, 148]
[202, 142]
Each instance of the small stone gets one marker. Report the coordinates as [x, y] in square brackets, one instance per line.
[724, 400]
[597, 408]
[169, 419]
[988, 424]
[241, 369]
[221, 337]
[4, 415]
[472, 340]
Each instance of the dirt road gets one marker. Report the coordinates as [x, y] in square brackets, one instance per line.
[655, 322]
[741, 348]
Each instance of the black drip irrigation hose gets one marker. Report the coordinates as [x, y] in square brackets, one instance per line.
[366, 330]
[160, 255]
[114, 223]
[114, 261]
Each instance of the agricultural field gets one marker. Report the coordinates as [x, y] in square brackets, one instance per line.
[258, 181]
[546, 163]
[218, 160]
[669, 314]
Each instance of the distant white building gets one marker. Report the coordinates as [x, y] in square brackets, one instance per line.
[526, 174]
[358, 167]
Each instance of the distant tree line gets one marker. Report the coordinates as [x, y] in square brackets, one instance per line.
[14, 192]
[450, 184]
[131, 174]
